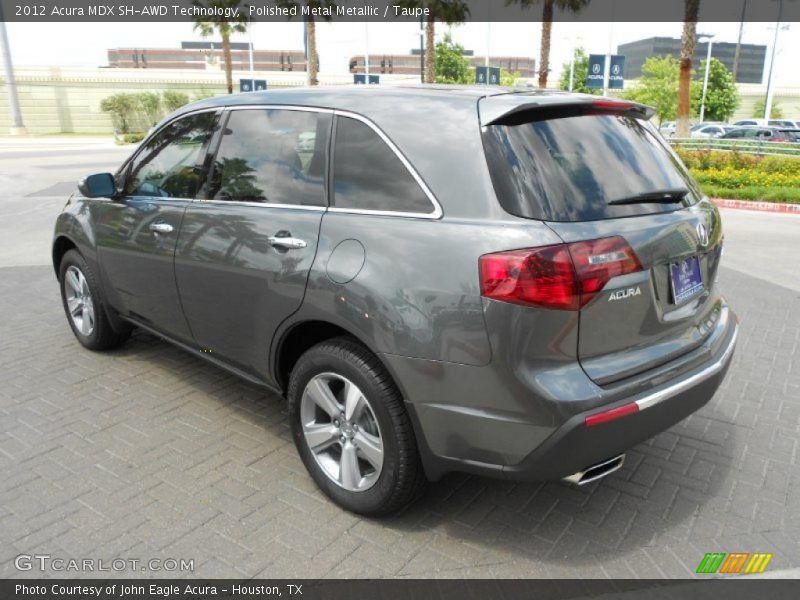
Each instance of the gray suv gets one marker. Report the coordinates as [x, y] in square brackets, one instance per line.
[437, 279]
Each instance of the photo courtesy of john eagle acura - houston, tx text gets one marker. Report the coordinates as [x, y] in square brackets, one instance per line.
[484, 300]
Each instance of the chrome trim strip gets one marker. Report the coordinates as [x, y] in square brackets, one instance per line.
[681, 386]
[437, 208]
[277, 107]
[259, 204]
[383, 213]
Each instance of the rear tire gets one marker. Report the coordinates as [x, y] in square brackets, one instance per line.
[85, 306]
[344, 404]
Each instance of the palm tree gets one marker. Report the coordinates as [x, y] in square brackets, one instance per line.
[312, 68]
[688, 41]
[448, 11]
[225, 27]
[548, 8]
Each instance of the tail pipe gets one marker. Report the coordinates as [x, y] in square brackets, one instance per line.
[596, 471]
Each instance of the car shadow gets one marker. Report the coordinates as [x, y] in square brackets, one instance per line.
[659, 496]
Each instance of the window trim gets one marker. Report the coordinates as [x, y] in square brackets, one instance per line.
[126, 166]
[437, 208]
[216, 143]
[213, 146]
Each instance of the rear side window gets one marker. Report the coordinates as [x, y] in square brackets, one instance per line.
[274, 156]
[568, 168]
[368, 175]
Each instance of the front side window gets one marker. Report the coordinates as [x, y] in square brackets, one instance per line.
[274, 156]
[170, 165]
[368, 175]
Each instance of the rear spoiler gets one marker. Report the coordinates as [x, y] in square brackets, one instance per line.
[492, 109]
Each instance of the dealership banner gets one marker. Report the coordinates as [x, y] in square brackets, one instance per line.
[383, 11]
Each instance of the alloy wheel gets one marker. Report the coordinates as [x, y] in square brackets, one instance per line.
[342, 432]
[79, 300]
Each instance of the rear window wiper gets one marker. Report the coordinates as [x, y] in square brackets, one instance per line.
[669, 196]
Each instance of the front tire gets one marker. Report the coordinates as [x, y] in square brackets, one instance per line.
[84, 305]
[352, 430]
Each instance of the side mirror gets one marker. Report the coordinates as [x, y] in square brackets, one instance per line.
[99, 185]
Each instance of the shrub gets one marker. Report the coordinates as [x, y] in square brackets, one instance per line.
[768, 194]
[122, 108]
[173, 100]
[132, 138]
[150, 104]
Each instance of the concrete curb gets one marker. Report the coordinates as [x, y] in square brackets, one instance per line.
[776, 207]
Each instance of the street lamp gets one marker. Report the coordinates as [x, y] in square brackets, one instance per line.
[710, 40]
[770, 90]
[17, 126]
[572, 65]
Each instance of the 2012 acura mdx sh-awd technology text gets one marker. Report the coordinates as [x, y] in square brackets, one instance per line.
[437, 279]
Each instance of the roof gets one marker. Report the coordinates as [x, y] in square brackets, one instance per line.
[364, 99]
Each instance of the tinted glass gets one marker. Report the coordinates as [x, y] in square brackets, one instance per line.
[569, 168]
[271, 156]
[170, 165]
[367, 174]
[736, 133]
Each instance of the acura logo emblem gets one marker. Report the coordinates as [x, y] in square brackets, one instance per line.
[702, 234]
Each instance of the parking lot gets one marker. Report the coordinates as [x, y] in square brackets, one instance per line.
[148, 452]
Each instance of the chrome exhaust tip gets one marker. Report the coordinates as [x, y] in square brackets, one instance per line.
[597, 471]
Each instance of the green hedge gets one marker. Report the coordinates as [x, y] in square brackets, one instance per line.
[764, 194]
[738, 176]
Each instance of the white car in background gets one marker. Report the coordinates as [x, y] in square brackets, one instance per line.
[668, 128]
[709, 130]
[786, 123]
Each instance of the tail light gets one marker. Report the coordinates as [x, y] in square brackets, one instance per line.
[564, 276]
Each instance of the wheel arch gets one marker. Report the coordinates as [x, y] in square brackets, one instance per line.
[302, 335]
[61, 245]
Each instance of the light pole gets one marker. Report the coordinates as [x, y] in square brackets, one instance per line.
[572, 64]
[366, 52]
[770, 91]
[572, 71]
[710, 40]
[250, 40]
[17, 127]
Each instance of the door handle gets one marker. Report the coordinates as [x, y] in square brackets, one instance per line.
[288, 242]
[161, 227]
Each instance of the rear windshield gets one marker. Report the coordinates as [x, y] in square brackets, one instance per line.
[569, 167]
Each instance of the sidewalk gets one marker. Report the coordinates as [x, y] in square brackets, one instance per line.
[39, 142]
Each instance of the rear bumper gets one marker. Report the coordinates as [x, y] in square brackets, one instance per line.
[573, 446]
[479, 420]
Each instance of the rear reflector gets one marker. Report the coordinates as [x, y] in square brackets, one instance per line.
[564, 276]
[611, 415]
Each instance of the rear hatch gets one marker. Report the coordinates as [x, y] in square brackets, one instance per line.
[643, 242]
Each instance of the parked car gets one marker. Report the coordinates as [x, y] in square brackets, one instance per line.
[767, 134]
[426, 302]
[668, 128]
[765, 123]
[709, 131]
[793, 134]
